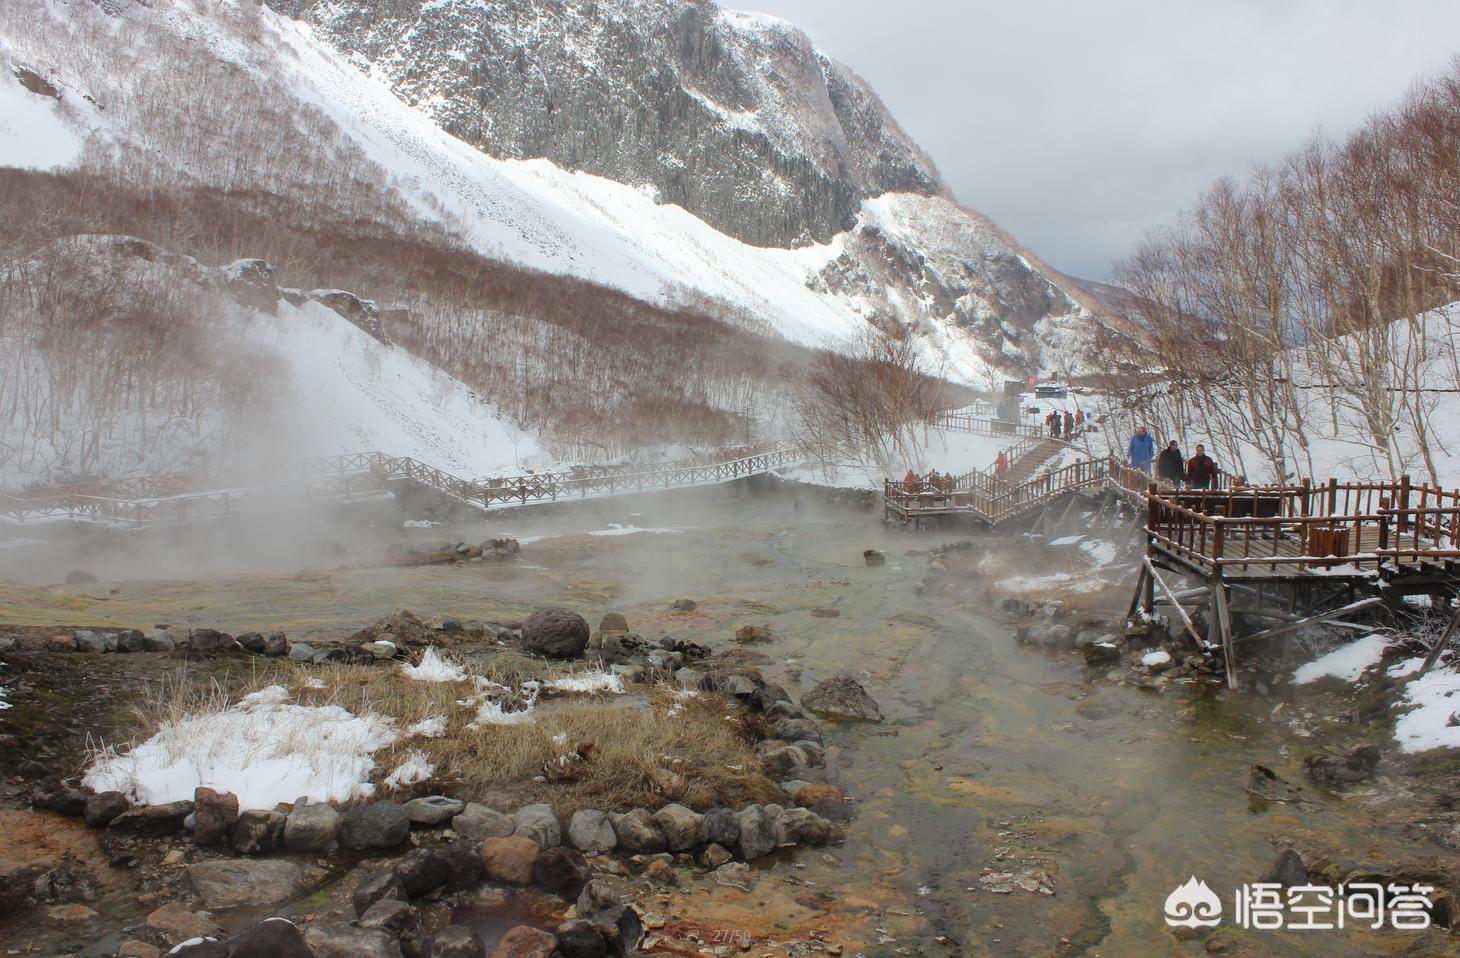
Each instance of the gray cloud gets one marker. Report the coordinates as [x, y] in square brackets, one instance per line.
[1077, 125]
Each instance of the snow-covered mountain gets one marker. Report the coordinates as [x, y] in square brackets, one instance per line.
[690, 157]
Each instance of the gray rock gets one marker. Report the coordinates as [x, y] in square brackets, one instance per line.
[556, 633]
[477, 822]
[159, 640]
[88, 641]
[758, 833]
[580, 938]
[639, 833]
[433, 809]
[258, 831]
[1101, 654]
[1287, 871]
[377, 825]
[343, 941]
[162, 819]
[539, 823]
[801, 826]
[270, 938]
[276, 644]
[422, 870]
[722, 827]
[561, 870]
[299, 652]
[455, 941]
[842, 696]
[209, 641]
[381, 650]
[390, 914]
[381, 885]
[1049, 635]
[798, 729]
[102, 807]
[254, 882]
[591, 831]
[683, 828]
[251, 642]
[109, 641]
[311, 828]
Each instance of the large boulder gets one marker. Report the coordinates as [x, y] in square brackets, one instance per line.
[214, 813]
[101, 808]
[683, 828]
[590, 831]
[539, 823]
[561, 870]
[842, 696]
[270, 938]
[377, 825]
[253, 882]
[55, 794]
[433, 809]
[758, 832]
[556, 633]
[722, 827]
[162, 819]
[639, 833]
[174, 922]
[477, 822]
[1287, 871]
[258, 831]
[1338, 771]
[422, 870]
[208, 641]
[311, 828]
[509, 859]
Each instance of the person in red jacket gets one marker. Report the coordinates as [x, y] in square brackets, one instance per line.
[1001, 465]
[910, 482]
[1201, 470]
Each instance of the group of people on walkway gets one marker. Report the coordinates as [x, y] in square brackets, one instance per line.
[1198, 472]
[934, 481]
[1064, 425]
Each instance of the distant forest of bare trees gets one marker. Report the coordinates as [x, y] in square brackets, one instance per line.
[1294, 300]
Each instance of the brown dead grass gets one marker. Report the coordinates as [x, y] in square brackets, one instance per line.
[612, 752]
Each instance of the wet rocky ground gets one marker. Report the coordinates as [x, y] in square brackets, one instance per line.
[1015, 798]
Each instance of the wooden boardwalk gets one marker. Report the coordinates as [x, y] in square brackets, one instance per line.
[1334, 547]
[163, 499]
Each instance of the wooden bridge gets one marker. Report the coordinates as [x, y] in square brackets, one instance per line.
[1296, 555]
[152, 500]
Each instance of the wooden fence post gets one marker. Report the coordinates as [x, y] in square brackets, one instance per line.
[1403, 504]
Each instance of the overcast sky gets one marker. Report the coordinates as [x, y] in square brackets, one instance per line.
[1077, 124]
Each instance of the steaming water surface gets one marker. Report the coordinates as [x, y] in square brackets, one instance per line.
[992, 756]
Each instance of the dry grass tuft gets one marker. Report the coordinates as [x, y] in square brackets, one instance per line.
[652, 746]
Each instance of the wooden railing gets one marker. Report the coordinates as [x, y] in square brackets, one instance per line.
[357, 474]
[964, 421]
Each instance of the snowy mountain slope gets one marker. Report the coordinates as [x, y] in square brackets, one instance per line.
[224, 383]
[908, 259]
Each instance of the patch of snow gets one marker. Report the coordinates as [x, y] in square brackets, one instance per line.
[1066, 540]
[415, 768]
[1434, 701]
[263, 749]
[588, 682]
[434, 668]
[33, 134]
[492, 713]
[433, 727]
[15, 542]
[4, 704]
[614, 529]
[314, 682]
[1158, 657]
[1347, 662]
[1405, 667]
[1101, 552]
[418, 524]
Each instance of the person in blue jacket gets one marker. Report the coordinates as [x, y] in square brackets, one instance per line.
[1142, 450]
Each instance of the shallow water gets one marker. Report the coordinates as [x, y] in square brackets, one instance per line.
[992, 755]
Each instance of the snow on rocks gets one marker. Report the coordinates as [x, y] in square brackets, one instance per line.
[263, 749]
[1433, 720]
[1347, 662]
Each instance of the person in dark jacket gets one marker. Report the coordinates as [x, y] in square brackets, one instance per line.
[1170, 466]
[1201, 470]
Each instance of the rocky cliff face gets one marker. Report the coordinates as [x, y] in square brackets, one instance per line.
[735, 117]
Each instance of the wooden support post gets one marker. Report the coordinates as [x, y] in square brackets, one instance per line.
[1223, 620]
[1150, 568]
[1320, 617]
[1402, 504]
[1333, 497]
[1307, 497]
[1443, 641]
[1137, 595]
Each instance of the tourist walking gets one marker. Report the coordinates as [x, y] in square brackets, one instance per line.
[910, 482]
[1170, 466]
[1141, 450]
[1201, 470]
[1069, 426]
[1001, 465]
